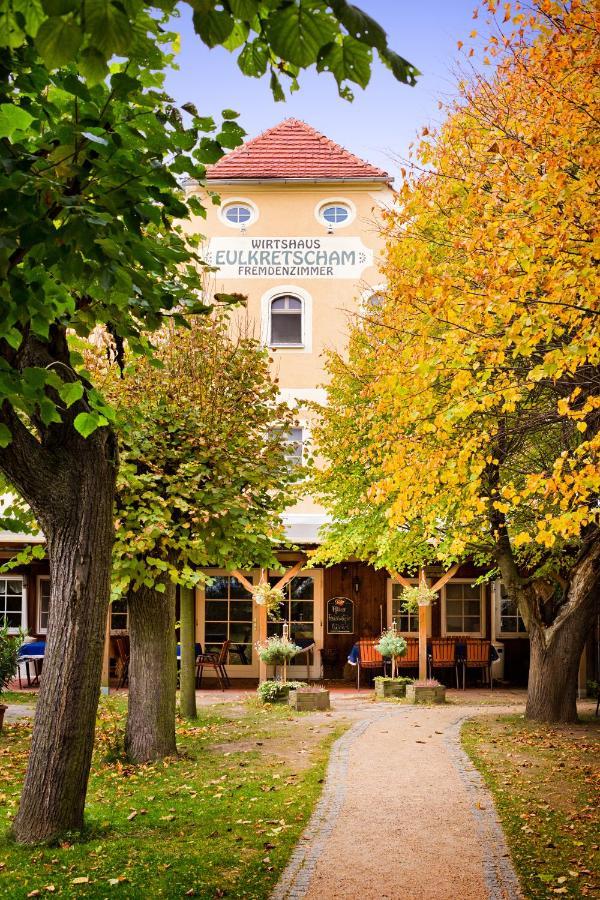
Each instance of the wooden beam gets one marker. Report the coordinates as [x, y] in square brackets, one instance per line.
[241, 578]
[287, 576]
[423, 643]
[400, 579]
[449, 574]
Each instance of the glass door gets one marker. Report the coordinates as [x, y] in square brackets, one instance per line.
[227, 612]
[302, 610]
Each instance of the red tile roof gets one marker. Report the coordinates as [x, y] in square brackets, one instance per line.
[293, 150]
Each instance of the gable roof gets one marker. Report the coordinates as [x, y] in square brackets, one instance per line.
[293, 151]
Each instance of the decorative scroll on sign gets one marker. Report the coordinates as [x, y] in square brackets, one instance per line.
[340, 615]
[290, 257]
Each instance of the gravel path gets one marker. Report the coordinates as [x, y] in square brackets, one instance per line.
[403, 815]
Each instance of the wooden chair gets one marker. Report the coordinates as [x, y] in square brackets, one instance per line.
[122, 666]
[215, 661]
[368, 658]
[479, 656]
[443, 655]
[410, 660]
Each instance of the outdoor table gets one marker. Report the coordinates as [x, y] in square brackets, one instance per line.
[32, 652]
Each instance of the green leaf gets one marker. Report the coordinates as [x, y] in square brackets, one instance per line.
[244, 9]
[93, 65]
[238, 36]
[58, 41]
[86, 423]
[402, 70]
[12, 119]
[59, 7]
[254, 58]
[71, 392]
[298, 32]
[5, 436]
[349, 61]
[276, 89]
[109, 27]
[360, 25]
[214, 27]
[230, 114]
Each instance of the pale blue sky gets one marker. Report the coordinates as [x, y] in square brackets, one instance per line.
[382, 120]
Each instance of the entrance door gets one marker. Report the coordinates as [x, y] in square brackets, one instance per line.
[302, 610]
[226, 611]
[366, 587]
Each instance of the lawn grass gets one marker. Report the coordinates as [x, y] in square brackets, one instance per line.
[28, 698]
[545, 781]
[220, 820]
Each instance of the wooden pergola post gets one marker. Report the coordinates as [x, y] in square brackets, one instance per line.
[261, 623]
[405, 582]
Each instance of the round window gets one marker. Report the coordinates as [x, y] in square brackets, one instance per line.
[238, 213]
[335, 213]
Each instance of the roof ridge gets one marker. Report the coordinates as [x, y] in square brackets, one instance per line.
[264, 156]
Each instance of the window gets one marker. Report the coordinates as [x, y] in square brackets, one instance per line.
[12, 602]
[405, 621]
[375, 301]
[335, 215]
[293, 447]
[335, 212]
[286, 321]
[509, 615]
[43, 603]
[118, 616]
[238, 213]
[297, 609]
[228, 617]
[463, 608]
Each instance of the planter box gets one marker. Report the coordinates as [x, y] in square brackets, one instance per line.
[424, 693]
[309, 700]
[385, 689]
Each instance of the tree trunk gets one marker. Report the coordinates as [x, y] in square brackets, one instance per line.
[150, 730]
[187, 673]
[79, 532]
[556, 649]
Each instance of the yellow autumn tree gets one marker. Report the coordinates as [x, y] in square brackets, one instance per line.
[466, 422]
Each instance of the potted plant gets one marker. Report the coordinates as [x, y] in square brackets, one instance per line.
[271, 597]
[277, 691]
[9, 661]
[276, 650]
[386, 687]
[309, 698]
[428, 691]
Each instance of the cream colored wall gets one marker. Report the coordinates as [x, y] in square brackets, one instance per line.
[288, 210]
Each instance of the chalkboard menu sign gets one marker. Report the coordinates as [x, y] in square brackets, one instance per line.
[340, 615]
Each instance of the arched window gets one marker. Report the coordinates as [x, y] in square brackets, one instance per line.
[286, 321]
[238, 214]
[335, 213]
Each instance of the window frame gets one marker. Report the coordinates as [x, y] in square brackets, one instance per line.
[482, 613]
[238, 201]
[118, 632]
[335, 201]
[39, 580]
[305, 298]
[251, 669]
[23, 626]
[278, 345]
[390, 598]
[500, 633]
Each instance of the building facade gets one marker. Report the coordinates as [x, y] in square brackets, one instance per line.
[297, 232]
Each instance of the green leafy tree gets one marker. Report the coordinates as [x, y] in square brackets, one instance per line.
[92, 151]
[203, 481]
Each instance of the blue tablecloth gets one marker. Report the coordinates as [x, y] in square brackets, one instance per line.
[33, 648]
[198, 650]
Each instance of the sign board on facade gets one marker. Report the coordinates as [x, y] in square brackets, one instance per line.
[289, 257]
[340, 615]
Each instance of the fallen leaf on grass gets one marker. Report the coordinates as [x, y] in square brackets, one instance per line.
[35, 893]
[132, 815]
[83, 879]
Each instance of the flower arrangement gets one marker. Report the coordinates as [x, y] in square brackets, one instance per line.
[419, 595]
[271, 597]
[273, 691]
[391, 644]
[276, 650]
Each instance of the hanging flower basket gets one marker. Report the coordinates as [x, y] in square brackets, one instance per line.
[275, 651]
[419, 595]
[271, 597]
